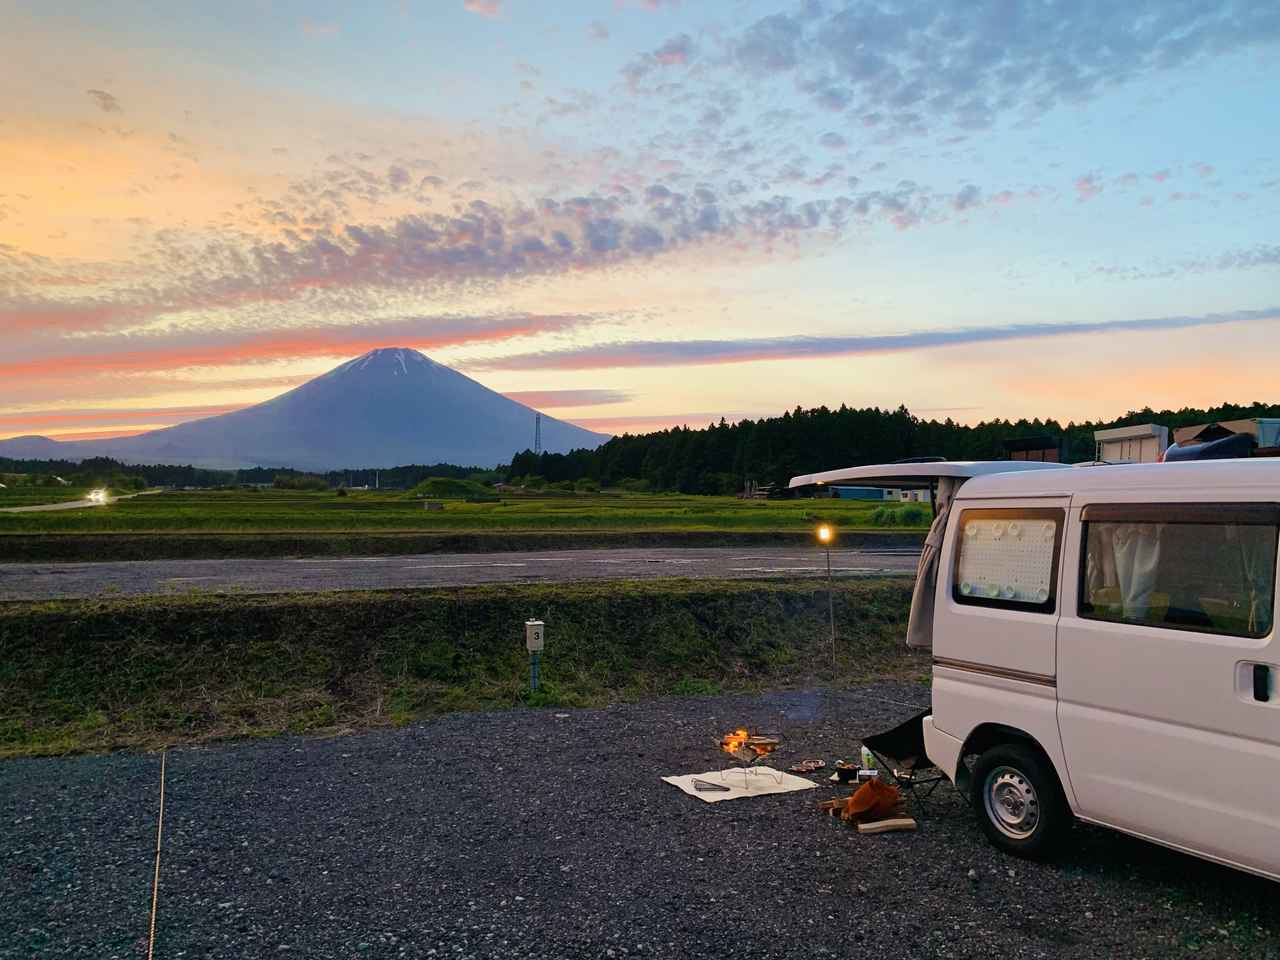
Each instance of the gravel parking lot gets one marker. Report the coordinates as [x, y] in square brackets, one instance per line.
[549, 834]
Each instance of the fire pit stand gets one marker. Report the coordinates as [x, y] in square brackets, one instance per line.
[749, 750]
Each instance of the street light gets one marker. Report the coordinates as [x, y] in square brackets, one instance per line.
[825, 535]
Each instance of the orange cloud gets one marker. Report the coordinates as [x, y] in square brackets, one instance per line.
[670, 353]
[93, 188]
[287, 345]
[44, 393]
[18, 424]
[313, 28]
[567, 398]
[46, 318]
[658, 421]
[99, 434]
[490, 9]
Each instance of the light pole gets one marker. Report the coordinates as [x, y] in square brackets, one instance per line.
[824, 537]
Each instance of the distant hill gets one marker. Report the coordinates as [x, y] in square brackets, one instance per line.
[35, 448]
[391, 406]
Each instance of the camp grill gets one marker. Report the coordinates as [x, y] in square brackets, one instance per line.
[749, 750]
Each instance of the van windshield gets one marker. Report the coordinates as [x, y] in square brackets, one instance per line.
[1209, 577]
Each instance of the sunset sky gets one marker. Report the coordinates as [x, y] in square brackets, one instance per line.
[632, 213]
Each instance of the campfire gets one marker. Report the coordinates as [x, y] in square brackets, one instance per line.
[746, 748]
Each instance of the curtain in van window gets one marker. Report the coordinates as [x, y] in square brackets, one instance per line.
[920, 625]
[1100, 560]
[1257, 559]
[1136, 551]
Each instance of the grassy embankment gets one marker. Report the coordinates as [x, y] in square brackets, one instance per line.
[89, 675]
[284, 523]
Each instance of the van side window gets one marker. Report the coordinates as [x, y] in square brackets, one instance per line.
[1204, 567]
[1008, 558]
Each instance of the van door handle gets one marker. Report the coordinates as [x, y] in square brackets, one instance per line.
[1261, 682]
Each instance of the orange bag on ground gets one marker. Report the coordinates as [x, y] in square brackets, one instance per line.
[873, 800]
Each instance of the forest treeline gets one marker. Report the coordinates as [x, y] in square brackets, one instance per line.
[719, 459]
[105, 471]
[722, 457]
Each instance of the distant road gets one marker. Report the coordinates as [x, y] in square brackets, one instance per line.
[71, 504]
[47, 581]
[65, 505]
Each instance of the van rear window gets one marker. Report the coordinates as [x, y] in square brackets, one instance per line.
[1204, 567]
[1008, 558]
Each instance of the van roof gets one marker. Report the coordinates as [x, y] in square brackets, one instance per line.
[1260, 475]
[1017, 478]
[907, 476]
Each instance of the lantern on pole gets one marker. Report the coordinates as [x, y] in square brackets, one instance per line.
[825, 536]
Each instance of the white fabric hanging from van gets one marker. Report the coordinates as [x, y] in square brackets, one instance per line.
[920, 626]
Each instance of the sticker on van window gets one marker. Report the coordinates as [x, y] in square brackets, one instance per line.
[1006, 559]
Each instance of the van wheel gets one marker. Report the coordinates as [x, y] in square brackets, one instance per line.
[1019, 801]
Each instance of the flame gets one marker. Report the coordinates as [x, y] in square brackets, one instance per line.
[733, 742]
[745, 747]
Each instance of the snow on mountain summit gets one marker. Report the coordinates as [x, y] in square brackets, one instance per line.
[394, 360]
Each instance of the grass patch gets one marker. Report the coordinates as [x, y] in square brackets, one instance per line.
[81, 676]
[695, 687]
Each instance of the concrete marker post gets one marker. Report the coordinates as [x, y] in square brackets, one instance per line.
[534, 640]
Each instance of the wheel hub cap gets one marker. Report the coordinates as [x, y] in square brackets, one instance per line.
[1011, 802]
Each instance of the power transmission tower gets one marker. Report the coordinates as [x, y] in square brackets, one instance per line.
[537, 434]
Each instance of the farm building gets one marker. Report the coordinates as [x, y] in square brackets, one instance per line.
[862, 493]
[1045, 449]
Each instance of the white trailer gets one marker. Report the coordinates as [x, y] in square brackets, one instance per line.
[1143, 443]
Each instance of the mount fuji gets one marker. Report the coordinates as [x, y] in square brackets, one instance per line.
[386, 408]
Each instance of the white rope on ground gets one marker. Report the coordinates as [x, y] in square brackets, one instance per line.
[155, 883]
[900, 703]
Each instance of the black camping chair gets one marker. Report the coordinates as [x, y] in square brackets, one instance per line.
[900, 754]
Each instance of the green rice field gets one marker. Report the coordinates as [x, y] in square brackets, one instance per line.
[13, 496]
[281, 511]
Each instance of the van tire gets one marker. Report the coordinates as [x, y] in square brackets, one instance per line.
[1019, 801]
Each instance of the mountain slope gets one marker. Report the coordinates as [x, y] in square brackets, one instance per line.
[389, 407]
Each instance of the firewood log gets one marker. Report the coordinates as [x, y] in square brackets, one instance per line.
[887, 826]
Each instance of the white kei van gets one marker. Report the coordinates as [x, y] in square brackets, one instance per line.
[1104, 648]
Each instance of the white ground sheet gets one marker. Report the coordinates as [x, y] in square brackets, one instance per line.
[756, 782]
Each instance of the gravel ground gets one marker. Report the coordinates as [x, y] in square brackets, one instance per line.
[549, 834]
